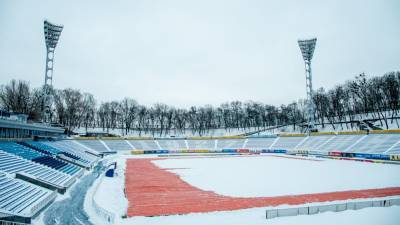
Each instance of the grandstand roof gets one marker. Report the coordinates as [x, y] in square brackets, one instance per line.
[29, 126]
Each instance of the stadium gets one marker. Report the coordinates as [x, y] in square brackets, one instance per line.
[332, 157]
[156, 181]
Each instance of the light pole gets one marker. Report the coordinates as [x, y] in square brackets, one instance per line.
[307, 48]
[52, 33]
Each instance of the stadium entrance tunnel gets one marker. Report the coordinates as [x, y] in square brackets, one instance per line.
[152, 191]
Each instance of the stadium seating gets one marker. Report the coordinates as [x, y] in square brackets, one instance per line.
[57, 164]
[21, 198]
[172, 144]
[12, 163]
[288, 143]
[395, 150]
[39, 169]
[41, 147]
[340, 143]
[144, 144]
[230, 143]
[375, 143]
[30, 154]
[74, 150]
[351, 143]
[96, 145]
[118, 145]
[314, 142]
[259, 143]
[22, 151]
[201, 144]
[54, 151]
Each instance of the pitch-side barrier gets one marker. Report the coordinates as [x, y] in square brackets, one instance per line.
[363, 157]
[105, 215]
[330, 207]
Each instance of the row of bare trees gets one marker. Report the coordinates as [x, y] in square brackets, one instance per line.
[361, 98]
[160, 118]
[375, 98]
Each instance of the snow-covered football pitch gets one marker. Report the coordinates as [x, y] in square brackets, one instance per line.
[239, 189]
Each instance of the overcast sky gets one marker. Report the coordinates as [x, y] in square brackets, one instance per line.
[184, 52]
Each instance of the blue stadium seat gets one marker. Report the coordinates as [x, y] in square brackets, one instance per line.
[22, 198]
[11, 163]
[38, 157]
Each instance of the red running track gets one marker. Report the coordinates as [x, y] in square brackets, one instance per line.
[152, 191]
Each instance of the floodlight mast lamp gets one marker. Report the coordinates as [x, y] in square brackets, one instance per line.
[52, 33]
[307, 48]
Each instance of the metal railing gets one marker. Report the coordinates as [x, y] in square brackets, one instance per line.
[335, 207]
[3, 222]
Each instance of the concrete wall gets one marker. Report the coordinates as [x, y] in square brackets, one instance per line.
[104, 214]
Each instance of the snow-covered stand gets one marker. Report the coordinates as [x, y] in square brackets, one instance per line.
[351, 142]
[21, 200]
[351, 146]
[32, 172]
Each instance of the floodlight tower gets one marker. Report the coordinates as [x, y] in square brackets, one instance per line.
[307, 48]
[52, 33]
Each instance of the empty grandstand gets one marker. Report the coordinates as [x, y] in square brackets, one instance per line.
[35, 172]
[313, 142]
[118, 145]
[340, 143]
[98, 145]
[172, 144]
[38, 157]
[259, 143]
[85, 157]
[375, 143]
[363, 143]
[287, 142]
[62, 154]
[230, 143]
[144, 144]
[202, 144]
[20, 200]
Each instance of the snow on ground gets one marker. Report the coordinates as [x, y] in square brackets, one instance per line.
[275, 176]
[368, 216]
[110, 194]
[260, 176]
[38, 220]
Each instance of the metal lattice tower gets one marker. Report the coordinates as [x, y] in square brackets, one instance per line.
[52, 33]
[307, 48]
